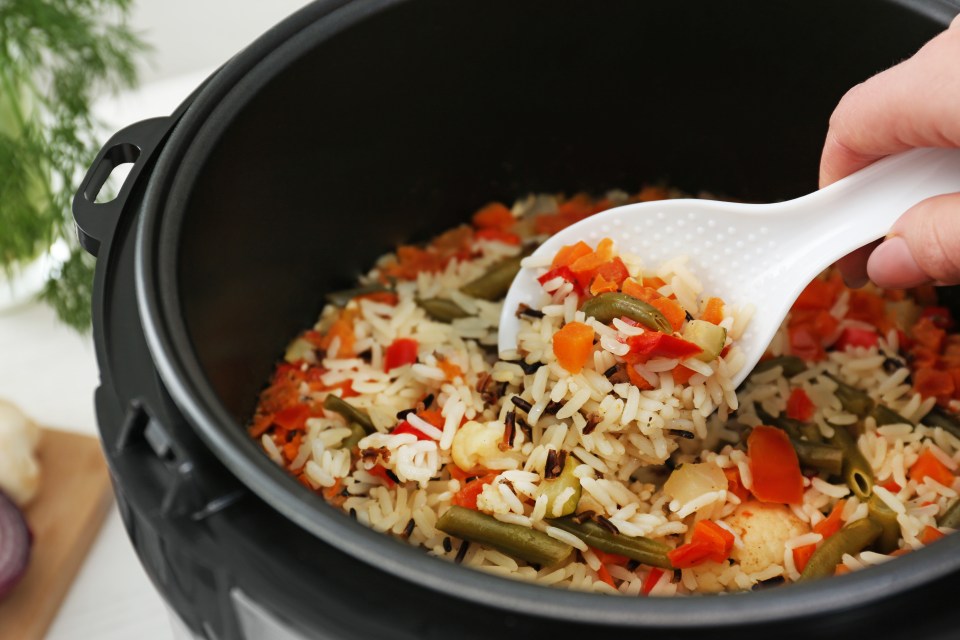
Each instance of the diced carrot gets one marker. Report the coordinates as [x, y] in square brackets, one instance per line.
[292, 448]
[819, 294]
[342, 328]
[432, 416]
[653, 282]
[614, 270]
[651, 580]
[330, 492]
[801, 556]
[709, 541]
[867, 307]
[604, 575]
[638, 380]
[570, 254]
[735, 484]
[934, 383]
[652, 192]
[602, 285]
[463, 474]
[717, 537]
[931, 534]
[927, 465]
[573, 345]
[592, 261]
[260, 425]
[631, 287]
[689, 555]
[496, 235]
[774, 466]
[671, 310]
[833, 522]
[891, 486]
[799, 406]
[467, 496]
[922, 358]
[494, 216]
[927, 334]
[841, 569]
[899, 552]
[578, 207]
[451, 370]
[713, 311]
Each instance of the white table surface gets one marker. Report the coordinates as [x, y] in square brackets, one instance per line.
[50, 372]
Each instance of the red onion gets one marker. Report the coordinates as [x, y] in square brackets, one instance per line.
[15, 543]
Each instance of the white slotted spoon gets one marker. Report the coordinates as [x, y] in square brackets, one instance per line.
[760, 254]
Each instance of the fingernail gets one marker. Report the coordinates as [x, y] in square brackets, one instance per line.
[891, 265]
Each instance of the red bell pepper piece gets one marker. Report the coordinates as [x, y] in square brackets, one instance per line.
[853, 337]
[566, 274]
[653, 344]
[799, 406]
[774, 466]
[400, 352]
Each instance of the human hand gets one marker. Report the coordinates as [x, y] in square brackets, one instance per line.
[913, 104]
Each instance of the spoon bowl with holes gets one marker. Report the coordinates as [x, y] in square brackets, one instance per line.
[755, 254]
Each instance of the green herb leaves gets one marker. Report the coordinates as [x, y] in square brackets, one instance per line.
[56, 56]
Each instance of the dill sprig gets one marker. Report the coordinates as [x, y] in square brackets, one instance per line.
[56, 57]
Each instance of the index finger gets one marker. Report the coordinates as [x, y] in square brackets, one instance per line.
[913, 104]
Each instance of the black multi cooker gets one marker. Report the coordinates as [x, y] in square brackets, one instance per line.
[354, 126]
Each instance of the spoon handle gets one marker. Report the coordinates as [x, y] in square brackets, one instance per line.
[862, 207]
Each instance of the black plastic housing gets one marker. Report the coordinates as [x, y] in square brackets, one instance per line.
[354, 126]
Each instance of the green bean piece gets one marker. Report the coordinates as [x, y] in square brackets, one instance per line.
[852, 399]
[943, 419]
[856, 471]
[643, 550]
[791, 426]
[792, 365]
[512, 539]
[811, 432]
[494, 284]
[885, 415]
[887, 518]
[553, 487]
[819, 456]
[951, 517]
[853, 538]
[341, 298]
[357, 433]
[348, 411]
[441, 309]
[607, 306]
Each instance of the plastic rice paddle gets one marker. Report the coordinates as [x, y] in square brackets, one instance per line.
[759, 254]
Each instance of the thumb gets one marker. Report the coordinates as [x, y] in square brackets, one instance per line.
[922, 247]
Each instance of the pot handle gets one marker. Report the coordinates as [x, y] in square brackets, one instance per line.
[134, 145]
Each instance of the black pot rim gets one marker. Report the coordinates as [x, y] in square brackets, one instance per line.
[158, 299]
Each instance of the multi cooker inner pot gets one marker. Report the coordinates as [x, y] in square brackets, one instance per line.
[352, 127]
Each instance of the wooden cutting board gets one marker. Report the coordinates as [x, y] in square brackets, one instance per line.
[65, 517]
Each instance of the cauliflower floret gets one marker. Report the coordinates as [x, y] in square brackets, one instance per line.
[764, 529]
[475, 442]
[19, 469]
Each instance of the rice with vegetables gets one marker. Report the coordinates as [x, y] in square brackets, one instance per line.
[611, 451]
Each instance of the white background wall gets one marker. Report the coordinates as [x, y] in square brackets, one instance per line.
[197, 34]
